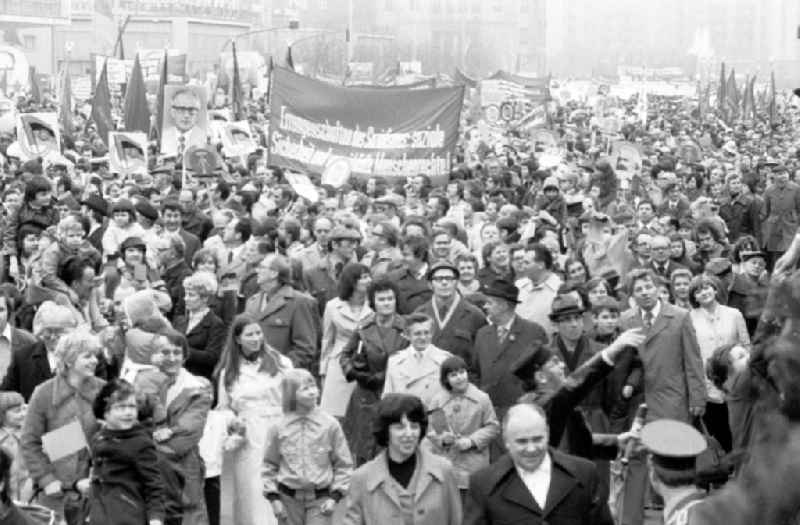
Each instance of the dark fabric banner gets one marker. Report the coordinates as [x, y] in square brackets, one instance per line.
[376, 131]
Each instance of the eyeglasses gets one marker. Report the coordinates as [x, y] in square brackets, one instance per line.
[443, 278]
[186, 109]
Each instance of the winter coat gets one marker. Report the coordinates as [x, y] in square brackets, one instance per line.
[42, 218]
[127, 488]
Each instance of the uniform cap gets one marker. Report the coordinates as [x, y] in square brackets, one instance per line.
[674, 445]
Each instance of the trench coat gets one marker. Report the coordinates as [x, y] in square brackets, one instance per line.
[674, 377]
[780, 216]
[469, 415]
[363, 361]
[405, 374]
[290, 323]
[186, 417]
[338, 324]
[53, 405]
[375, 497]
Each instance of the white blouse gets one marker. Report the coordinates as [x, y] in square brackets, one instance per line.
[723, 326]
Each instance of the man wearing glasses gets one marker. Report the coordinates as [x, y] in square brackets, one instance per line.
[184, 125]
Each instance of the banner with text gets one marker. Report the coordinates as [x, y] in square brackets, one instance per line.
[390, 132]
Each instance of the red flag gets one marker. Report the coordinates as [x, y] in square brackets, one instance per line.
[236, 88]
[101, 106]
[155, 130]
[137, 114]
[732, 94]
[773, 104]
[289, 59]
[65, 104]
[721, 98]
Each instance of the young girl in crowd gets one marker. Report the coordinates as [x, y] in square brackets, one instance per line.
[12, 412]
[126, 486]
[463, 422]
[307, 463]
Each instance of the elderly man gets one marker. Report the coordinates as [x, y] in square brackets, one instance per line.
[500, 344]
[288, 318]
[535, 484]
[184, 113]
[174, 270]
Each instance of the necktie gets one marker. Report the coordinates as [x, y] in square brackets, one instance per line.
[502, 333]
[181, 145]
[648, 319]
[230, 256]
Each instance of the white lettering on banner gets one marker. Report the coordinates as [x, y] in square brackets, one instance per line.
[336, 134]
[374, 162]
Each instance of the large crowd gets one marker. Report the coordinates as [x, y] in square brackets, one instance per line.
[223, 350]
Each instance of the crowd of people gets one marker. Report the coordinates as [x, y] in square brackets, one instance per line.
[180, 351]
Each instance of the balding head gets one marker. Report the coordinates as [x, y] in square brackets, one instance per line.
[526, 435]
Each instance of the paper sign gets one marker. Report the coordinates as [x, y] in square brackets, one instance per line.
[336, 173]
[303, 186]
[64, 441]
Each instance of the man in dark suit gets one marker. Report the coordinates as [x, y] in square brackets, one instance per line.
[172, 214]
[173, 270]
[456, 321]
[499, 345]
[660, 262]
[535, 484]
[413, 289]
[288, 318]
[96, 210]
[194, 221]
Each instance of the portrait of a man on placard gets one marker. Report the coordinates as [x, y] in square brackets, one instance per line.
[185, 119]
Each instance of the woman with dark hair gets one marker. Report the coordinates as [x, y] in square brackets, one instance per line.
[495, 263]
[418, 487]
[249, 387]
[342, 316]
[595, 288]
[36, 209]
[714, 325]
[363, 361]
[575, 271]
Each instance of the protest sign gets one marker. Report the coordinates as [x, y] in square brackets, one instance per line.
[8, 115]
[127, 152]
[626, 157]
[512, 101]
[303, 186]
[118, 70]
[185, 119]
[202, 161]
[150, 60]
[38, 134]
[390, 132]
[237, 139]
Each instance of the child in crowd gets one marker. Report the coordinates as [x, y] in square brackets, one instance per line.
[70, 240]
[624, 383]
[307, 463]
[12, 415]
[126, 486]
[462, 422]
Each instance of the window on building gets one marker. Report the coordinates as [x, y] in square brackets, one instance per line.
[29, 42]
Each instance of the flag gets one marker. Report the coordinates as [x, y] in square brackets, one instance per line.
[773, 105]
[155, 130]
[289, 60]
[270, 67]
[137, 113]
[236, 88]
[749, 101]
[36, 94]
[721, 90]
[732, 93]
[65, 103]
[101, 106]
[701, 104]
